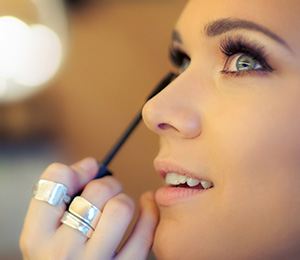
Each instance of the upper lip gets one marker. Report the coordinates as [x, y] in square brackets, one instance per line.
[163, 167]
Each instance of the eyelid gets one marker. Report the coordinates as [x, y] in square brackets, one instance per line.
[176, 56]
[241, 42]
[233, 45]
[234, 57]
[230, 46]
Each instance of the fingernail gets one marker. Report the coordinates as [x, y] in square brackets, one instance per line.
[88, 163]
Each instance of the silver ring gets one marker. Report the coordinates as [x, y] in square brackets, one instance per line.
[85, 211]
[76, 223]
[51, 192]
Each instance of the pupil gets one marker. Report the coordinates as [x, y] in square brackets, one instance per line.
[244, 62]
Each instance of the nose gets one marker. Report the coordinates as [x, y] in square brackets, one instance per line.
[173, 112]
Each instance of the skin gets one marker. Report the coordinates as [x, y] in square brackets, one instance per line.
[44, 237]
[243, 133]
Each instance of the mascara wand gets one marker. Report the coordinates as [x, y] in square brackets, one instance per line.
[103, 166]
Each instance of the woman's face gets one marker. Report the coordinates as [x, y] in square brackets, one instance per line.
[240, 131]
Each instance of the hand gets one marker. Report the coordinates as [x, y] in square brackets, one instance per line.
[45, 237]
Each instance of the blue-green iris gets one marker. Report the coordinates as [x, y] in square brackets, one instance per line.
[245, 61]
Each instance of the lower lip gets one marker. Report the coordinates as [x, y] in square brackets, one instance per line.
[167, 196]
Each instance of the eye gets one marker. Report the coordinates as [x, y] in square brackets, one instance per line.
[241, 63]
[179, 59]
[251, 59]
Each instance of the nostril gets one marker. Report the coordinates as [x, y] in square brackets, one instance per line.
[163, 126]
[188, 130]
[166, 126]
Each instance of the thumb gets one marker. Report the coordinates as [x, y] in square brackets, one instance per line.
[140, 242]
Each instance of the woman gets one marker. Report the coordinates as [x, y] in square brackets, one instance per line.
[231, 120]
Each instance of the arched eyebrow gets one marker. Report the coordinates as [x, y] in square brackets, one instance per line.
[223, 25]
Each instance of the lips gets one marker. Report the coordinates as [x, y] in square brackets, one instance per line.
[177, 188]
[163, 167]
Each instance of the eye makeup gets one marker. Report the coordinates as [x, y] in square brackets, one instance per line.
[178, 57]
[230, 46]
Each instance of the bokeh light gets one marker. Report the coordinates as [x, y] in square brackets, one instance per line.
[30, 56]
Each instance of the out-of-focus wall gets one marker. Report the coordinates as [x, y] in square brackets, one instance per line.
[118, 52]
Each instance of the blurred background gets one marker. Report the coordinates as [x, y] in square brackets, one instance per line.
[72, 76]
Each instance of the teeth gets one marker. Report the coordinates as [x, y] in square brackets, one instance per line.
[206, 184]
[175, 179]
[192, 182]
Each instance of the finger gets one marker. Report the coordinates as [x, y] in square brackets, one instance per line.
[140, 242]
[116, 217]
[98, 192]
[43, 219]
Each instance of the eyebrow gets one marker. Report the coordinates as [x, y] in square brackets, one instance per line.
[224, 25]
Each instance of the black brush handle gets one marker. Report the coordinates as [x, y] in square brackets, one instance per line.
[103, 166]
[103, 170]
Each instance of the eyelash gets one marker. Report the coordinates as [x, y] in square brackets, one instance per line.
[230, 46]
[178, 57]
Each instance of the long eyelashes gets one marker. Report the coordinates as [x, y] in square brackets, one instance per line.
[178, 58]
[230, 46]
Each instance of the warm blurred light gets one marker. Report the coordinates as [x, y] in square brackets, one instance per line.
[30, 55]
[13, 34]
[41, 57]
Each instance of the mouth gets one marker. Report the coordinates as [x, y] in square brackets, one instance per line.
[174, 179]
[180, 184]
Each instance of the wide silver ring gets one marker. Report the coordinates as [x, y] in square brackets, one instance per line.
[72, 221]
[51, 192]
[85, 211]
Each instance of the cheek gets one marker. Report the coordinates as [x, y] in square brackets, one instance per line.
[257, 146]
[257, 151]
[257, 135]
[255, 209]
[252, 146]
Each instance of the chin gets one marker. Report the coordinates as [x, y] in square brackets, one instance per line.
[168, 245]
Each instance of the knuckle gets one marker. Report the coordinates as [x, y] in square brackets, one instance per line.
[59, 171]
[22, 245]
[108, 187]
[96, 187]
[50, 250]
[121, 204]
[60, 252]
[56, 166]
[112, 182]
[26, 245]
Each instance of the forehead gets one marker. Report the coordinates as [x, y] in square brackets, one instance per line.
[248, 9]
[281, 17]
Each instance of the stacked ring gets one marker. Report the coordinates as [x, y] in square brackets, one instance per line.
[85, 211]
[82, 216]
[73, 222]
